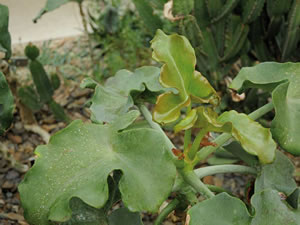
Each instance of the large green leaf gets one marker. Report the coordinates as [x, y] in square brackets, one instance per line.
[178, 72]
[115, 98]
[123, 216]
[5, 40]
[222, 209]
[78, 160]
[255, 139]
[6, 104]
[270, 209]
[52, 5]
[226, 210]
[277, 175]
[283, 80]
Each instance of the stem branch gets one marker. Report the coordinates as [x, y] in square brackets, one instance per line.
[191, 178]
[212, 170]
[84, 22]
[166, 211]
[154, 125]
[196, 143]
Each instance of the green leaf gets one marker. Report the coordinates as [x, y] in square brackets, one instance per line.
[41, 81]
[178, 72]
[78, 160]
[293, 32]
[188, 122]
[208, 119]
[201, 13]
[6, 104]
[182, 7]
[278, 7]
[52, 5]
[252, 9]
[88, 83]
[5, 40]
[282, 79]
[256, 140]
[270, 209]
[123, 216]
[236, 149]
[58, 111]
[236, 37]
[226, 9]
[30, 98]
[83, 214]
[277, 175]
[115, 97]
[294, 199]
[152, 21]
[222, 209]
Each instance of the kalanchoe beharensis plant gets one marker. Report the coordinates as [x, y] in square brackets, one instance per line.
[89, 167]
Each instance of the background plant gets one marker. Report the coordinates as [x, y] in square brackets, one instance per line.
[120, 36]
[223, 32]
[128, 159]
[44, 87]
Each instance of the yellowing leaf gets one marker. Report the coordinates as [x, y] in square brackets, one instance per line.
[282, 79]
[178, 72]
[255, 139]
[203, 117]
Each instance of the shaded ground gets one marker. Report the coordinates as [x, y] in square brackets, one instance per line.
[18, 144]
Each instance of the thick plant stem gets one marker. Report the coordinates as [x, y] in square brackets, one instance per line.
[261, 111]
[166, 211]
[187, 138]
[197, 143]
[222, 139]
[84, 23]
[217, 189]
[187, 133]
[154, 125]
[212, 170]
[191, 178]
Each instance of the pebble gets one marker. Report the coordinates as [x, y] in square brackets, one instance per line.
[80, 93]
[18, 128]
[7, 185]
[208, 180]
[9, 194]
[12, 174]
[14, 216]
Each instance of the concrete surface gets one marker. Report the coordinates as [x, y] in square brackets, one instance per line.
[63, 22]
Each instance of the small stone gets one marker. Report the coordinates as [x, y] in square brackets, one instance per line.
[9, 194]
[14, 216]
[15, 138]
[7, 185]
[208, 180]
[218, 181]
[12, 174]
[80, 93]
[18, 128]
[2, 203]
